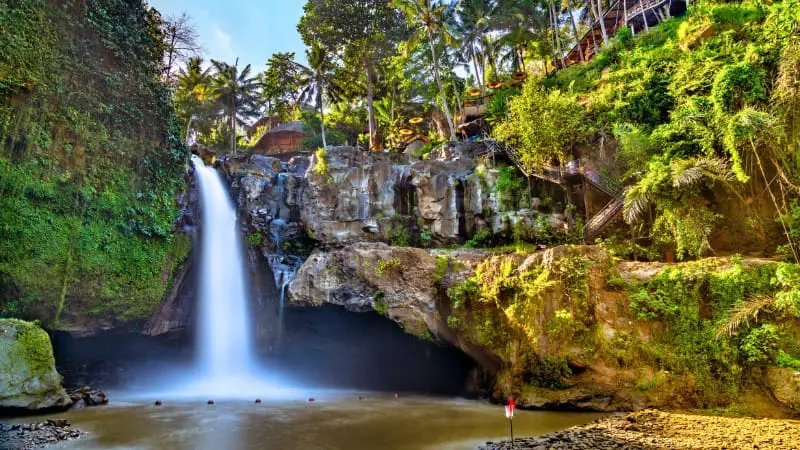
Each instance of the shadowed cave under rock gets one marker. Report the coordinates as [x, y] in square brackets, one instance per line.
[321, 348]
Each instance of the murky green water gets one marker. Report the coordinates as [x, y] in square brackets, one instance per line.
[333, 421]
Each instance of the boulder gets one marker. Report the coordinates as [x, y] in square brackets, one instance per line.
[785, 386]
[87, 396]
[28, 376]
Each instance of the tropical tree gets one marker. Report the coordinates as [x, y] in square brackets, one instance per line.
[359, 32]
[237, 95]
[426, 19]
[192, 93]
[281, 83]
[318, 81]
[474, 19]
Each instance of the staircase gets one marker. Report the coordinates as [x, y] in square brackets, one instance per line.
[554, 174]
[612, 189]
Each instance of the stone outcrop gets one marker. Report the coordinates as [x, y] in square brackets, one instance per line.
[28, 377]
[395, 281]
[346, 195]
[784, 383]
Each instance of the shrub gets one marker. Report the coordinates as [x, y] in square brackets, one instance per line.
[381, 307]
[760, 346]
[737, 85]
[255, 238]
[387, 267]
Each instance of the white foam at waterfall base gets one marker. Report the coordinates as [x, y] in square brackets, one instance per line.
[226, 366]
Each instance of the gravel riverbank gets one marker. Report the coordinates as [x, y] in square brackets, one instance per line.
[36, 435]
[651, 430]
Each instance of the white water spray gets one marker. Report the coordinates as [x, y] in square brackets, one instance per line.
[224, 336]
[226, 366]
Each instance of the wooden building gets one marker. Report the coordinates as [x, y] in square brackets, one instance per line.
[283, 138]
[639, 15]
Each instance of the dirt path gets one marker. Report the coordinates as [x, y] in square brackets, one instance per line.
[651, 429]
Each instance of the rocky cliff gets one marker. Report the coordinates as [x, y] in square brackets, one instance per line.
[561, 328]
[345, 195]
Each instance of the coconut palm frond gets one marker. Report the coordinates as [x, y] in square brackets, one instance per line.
[635, 205]
[744, 313]
[692, 171]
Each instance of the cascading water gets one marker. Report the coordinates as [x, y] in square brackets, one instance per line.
[226, 366]
[224, 336]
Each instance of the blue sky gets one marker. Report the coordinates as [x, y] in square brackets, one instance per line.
[251, 30]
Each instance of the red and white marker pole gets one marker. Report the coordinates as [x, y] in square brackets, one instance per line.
[510, 415]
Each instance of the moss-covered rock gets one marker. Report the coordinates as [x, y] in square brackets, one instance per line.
[28, 376]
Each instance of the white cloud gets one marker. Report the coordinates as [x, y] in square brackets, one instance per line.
[223, 42]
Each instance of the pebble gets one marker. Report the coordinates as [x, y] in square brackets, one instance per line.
[35, 435]
[652, 430]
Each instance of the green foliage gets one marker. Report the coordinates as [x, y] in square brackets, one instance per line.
[498, 105]
[481, 239]
[387, 267]
[321, 163]
[255, 238]
[381, 307]
[786, 360]
[760, 346]
[688, 302]
[542, 125]
[550, 372]
[509, 185]
[399, 236]
[736, 86]
[91, 162]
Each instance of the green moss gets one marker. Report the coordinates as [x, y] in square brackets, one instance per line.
[32, 344]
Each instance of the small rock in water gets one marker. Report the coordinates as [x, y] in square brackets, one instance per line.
[211, 402]
[258, 401]
[158, 403]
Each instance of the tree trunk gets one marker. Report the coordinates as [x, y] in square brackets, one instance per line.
[188, 130]
[575, 32]
[600, 15]
[373, 129]
[478, 78]
[556, 33]
[321, 104]
[445, 106]
[233, 124]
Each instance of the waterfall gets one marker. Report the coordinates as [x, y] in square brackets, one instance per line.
[226, 366]
[224, 334]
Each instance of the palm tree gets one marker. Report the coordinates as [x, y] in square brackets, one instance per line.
[192, 92]
[318, 81]
[236, 94]
[425, 18]
[475, 18]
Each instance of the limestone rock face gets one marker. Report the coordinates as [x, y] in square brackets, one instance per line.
[352, 196]
[28, 377]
